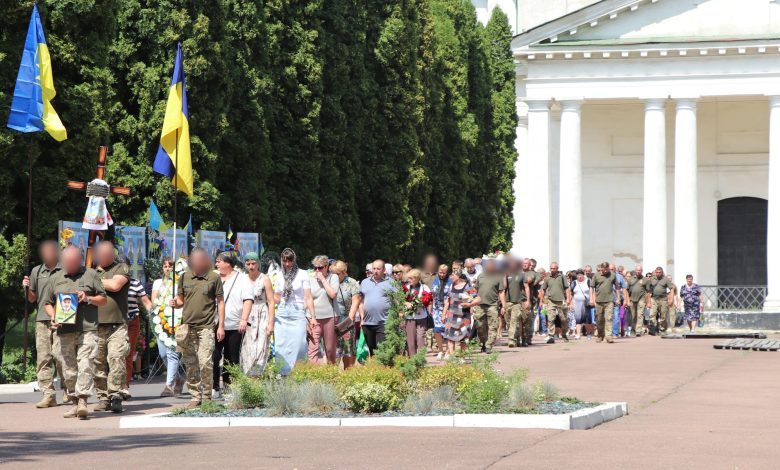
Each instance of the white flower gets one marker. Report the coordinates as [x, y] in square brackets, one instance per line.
[158, 329]
[156, 320]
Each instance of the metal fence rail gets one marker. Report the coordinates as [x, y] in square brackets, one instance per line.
[733, 298]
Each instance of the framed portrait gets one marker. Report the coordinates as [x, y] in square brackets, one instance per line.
[65, 310]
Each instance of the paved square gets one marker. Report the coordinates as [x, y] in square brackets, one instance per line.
[690, 406]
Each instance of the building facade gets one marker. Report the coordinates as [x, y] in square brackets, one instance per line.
[650, 133]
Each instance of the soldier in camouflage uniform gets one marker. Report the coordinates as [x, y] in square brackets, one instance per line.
[199, 291]
[77, 338]
[113, 342]
[46, 341]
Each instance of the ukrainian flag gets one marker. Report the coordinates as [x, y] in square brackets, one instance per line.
[173, 157]
[31, 109]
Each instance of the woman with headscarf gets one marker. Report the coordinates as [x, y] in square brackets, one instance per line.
[295, 313]
[259, 326]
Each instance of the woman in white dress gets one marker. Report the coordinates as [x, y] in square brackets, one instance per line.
[162, 293]
[295, 316]
[257, 329]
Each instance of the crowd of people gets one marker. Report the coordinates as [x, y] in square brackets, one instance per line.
[221, 312]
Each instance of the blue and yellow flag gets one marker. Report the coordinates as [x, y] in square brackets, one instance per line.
[31, 109]
[155, 219]
[173, 157]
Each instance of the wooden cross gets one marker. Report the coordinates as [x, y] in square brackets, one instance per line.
[80, 186]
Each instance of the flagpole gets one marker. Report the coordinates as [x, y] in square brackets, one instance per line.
[175, 215]
[25, 340]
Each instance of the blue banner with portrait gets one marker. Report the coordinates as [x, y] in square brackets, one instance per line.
[130, 242]
[211, 241]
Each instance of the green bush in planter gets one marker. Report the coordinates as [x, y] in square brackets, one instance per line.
[370, 398]
[373, 373]
[459, 376]
[317, 373]
[487, 395]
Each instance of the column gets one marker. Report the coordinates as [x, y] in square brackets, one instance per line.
[537, 222]
[570, 201]
[654, 213]
[686, 197]
[772, 302]
[520, 185]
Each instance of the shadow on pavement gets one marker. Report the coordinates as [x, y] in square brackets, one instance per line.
[29, 447]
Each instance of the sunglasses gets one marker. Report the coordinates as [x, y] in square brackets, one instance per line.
[319, 267]
[397, 272]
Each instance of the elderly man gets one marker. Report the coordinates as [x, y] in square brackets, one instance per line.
[113, 342]
[558, 294]
[374, 305]
[46, 342]
[78, 338]
[199, 292]
[472, 269]
[659, 297]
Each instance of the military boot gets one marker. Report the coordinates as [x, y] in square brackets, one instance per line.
[71, 413]
[48, 401]
[81, 409]
[102, 405]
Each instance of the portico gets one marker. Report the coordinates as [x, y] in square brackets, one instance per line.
[637, 118]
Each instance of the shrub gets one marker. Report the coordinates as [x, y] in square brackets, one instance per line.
[248, 392]
[487, 395]
[370, 398]
[458, 376]
[518, 376]
[310, 372]
[520, 398]
[318, 397]
[441, 398]
[12, 372]
[545, 391]
[372, 372]
[283, 399]
[410, 367]
[210, 406]
[395, 335]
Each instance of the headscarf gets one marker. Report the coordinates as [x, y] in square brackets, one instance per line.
[251, 256]
[289, 276]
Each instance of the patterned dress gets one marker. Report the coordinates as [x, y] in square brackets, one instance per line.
[457, 325]
[347, 289]
[691, 301]
[254, 346]
[440, 290]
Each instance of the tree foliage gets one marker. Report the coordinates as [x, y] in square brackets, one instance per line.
[360, 129]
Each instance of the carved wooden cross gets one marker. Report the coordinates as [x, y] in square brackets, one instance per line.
[80, 186]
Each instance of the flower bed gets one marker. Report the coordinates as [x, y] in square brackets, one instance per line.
[376, 390]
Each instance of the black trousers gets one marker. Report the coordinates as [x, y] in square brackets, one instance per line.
[374, 335]
[230, 348]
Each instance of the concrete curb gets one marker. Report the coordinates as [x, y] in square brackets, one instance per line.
[13, 389]
[583, 419]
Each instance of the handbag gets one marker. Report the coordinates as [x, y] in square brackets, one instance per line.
[429, 324]
[344, 325]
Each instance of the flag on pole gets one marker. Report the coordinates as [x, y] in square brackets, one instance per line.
[188, 228]
[31, 109]
[155, 219]
[229, 233]
[176, 126]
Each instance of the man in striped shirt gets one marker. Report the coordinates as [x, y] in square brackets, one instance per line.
[135, 293]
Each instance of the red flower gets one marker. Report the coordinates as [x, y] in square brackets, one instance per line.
[427, 298]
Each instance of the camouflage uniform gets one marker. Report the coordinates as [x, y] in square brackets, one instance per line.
[46, 342]
[197, 359]
[113, 342]
[78, 350]
[113, 346]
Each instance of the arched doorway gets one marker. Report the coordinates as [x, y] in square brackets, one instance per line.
[742, 241]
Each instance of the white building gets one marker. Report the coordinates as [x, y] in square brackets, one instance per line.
[650, 132]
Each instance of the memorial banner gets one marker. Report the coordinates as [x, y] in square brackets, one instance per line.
[131, 242]
[71, 233]
[248, 242]
[211, 241]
